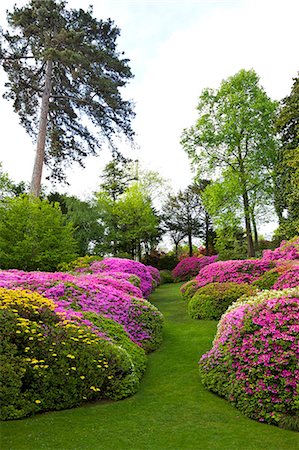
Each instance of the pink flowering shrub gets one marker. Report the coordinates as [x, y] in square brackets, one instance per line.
[254, 359]
[189, 267]
[287, 250]
[51, 363]
[155, 275]
[288, 279]
[127, 266]
[76, 295]
[237, 271]
[284, 271]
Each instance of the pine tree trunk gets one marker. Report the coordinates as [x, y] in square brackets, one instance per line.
[190, 243]
[42, 132]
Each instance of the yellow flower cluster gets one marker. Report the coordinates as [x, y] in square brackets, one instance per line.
[16, 299]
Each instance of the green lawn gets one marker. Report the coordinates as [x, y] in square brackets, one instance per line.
[171, 410]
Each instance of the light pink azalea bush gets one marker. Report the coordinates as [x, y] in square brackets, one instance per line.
[190, 267]
[288, 250]
[74, 296]
[237, 271]
[254, 359]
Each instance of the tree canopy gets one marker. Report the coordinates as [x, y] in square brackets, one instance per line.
[235, 130]
[64, 79]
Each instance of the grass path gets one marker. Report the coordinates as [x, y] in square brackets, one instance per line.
[170, 411]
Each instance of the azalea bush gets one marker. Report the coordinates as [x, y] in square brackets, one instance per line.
[254, 359]
[189, 267]
[237, 271]
[212, 300]
[88, 293]
[288, 250]
[50, 362]
[188, 289]
[127, 266]
[283, 275]
[155, 275]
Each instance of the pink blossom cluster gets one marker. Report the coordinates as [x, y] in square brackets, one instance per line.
[288, 279]
[74, 295]
[288, 250]
[127, 266]
[254, 359]
[190, 267]
[155, 275]
[237, 271]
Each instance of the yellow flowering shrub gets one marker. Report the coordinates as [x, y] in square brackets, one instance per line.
[50, 363]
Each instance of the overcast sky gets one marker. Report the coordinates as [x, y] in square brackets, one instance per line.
[176, 49]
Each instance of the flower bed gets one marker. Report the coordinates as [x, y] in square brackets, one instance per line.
[51, 363]
[89, 293]
[190, 267]
[126, 266]
[254, 359]
[288, 250]
[237, 271]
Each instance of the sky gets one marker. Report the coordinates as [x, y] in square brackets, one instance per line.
[176, 49]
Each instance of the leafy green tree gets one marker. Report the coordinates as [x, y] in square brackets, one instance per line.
[235, 130]
[137, 229]
[63, 66]
[34, 235]
[84, 216]
[286, 173]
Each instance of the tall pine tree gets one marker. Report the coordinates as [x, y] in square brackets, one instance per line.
[64, 78]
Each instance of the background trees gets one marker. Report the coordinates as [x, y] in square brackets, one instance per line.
[286, 173]
[235, 131]
[34, 235]
[184, 215]
[67, 61]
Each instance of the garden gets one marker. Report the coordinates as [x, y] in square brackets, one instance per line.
[136, 316]
[81, 341]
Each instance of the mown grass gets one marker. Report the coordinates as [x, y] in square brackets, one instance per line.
[171, 410]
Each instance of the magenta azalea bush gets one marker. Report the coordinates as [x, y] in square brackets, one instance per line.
[237, 271]
[127, 266]
[288, 279]
[155, 275]
[288, 250]
[254, 359]
[76, 295]
[190, 267]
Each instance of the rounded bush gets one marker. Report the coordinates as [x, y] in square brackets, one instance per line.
[254, 359]
[188, 289]
[127, 266]
[211, 301]
[166, 276]
[288, 250]
[155, 275]
[189, 267]
[88, 293]
[288, 279]
[51, 363]
[237, 271]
